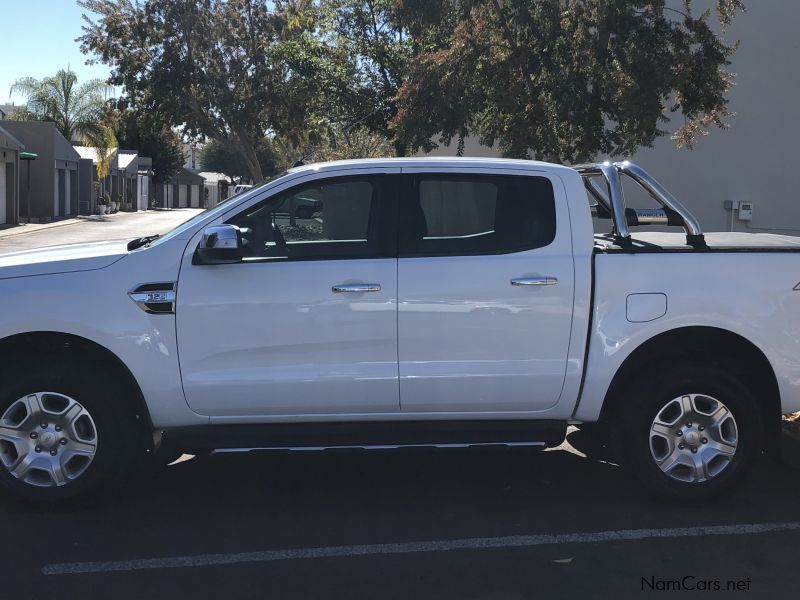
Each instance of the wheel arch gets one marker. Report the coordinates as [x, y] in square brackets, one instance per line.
[36, 342]
[707, 345]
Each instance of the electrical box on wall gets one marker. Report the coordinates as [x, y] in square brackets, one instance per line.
[745, 211]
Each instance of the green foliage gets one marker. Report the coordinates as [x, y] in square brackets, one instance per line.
[370, 36]
[568, 80]
[150, 135]
[219, 157]
[101, 137]
[75, 109]
[269, 82]
[21, 113]
[229, 70]
[350, 143]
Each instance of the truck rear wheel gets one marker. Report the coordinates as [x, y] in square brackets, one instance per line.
[689, 432]
[63, 430]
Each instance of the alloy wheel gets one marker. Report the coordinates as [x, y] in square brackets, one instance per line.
[693, 438]
[47, 439]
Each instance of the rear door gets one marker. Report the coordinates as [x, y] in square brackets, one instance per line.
[485, 289]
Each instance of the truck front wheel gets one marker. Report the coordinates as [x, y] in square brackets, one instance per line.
[689, 432]
[64, 432]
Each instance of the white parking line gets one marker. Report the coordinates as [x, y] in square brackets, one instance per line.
[513, 541]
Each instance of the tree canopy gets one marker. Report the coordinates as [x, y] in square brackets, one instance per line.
[220, 68]
[75, 109]
[563, 80]
[150, 134]
[219, 157]
[568, 80]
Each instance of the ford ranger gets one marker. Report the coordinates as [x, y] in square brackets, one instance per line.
[409, 302]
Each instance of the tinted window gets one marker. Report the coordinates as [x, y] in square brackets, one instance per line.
[324, 220]
[478, 215]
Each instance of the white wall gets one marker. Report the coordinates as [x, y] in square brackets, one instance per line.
[754, 159]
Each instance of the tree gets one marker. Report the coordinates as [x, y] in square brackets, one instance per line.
[567, 80]
[380, 39]
[75, 109]
[150, 135]
[220, 158]
[227, 70]
[352, 142]
[371, 35]
[101, 138]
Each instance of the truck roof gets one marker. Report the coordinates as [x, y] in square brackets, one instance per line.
[433, 161]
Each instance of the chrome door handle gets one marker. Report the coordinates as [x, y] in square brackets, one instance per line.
[534, 281]
[356, 288]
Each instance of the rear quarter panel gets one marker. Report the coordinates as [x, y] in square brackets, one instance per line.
[747, 293]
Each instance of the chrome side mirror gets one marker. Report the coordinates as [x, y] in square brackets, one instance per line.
[220, 245]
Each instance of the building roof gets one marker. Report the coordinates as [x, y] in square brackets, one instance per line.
[186, 175]
[9, 141]
[125, 158]
[214, 177]
[42, 137]
[90, 152]
[7, 108]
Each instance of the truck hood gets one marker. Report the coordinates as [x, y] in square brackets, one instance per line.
[61, 259]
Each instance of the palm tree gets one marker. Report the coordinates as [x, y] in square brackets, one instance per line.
[75, 109]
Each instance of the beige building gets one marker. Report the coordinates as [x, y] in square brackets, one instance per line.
[751, 162]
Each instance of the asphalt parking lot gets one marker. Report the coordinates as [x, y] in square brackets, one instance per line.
[478, 523]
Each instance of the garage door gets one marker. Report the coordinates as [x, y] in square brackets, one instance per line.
[195, 196]
[182, 196]
[3, 204]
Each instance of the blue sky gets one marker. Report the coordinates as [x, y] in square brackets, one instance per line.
[37, 39]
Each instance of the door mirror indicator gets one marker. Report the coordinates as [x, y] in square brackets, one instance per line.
[220, 245]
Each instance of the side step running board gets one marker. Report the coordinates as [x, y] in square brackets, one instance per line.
[366, 434]
[377, 447]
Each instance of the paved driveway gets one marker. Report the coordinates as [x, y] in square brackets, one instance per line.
[119, 226]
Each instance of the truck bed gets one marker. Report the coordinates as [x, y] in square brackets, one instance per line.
[715, 242]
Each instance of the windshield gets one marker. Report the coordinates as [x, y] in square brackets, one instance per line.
[221, 207]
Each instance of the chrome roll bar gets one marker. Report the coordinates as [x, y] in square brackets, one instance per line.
[614, 199]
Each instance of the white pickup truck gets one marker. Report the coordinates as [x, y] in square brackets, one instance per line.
[446, 302]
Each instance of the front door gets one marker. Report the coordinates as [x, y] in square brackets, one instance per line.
[307, 323]
[485, 280]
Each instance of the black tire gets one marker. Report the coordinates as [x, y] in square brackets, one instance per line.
[650, 393]
[102, 395]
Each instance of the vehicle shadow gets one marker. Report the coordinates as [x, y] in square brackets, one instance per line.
[249, 501]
